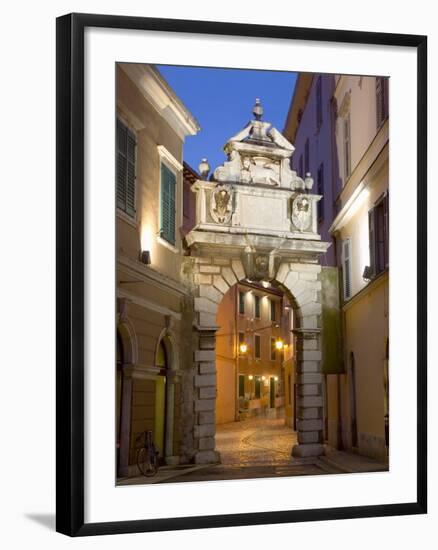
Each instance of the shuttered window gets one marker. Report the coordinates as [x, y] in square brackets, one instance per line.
[256, 306]
[241, 385]
[273, 312]
[168, 212]
[347, 148]
[381, 100]
[378, 223]
[241, 303]
[319, 103]
[126, 144]
[257, 354]
[346, 267]
[320, 191]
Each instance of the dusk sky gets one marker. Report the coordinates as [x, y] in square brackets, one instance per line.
[222, 100]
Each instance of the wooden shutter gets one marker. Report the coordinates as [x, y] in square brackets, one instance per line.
[168, 214]
[130, 176]
[320, 190]
[257, 346]
[386, 228]
[125, 193]
[381, 100]
[372, 241]
[319, 102]
[346, 253]
[121, 165]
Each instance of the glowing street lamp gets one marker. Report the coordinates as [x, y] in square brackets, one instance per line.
[279, 344]
[243, 348]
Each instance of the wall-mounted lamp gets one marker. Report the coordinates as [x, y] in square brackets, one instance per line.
[276, 378]
[250, 377]
[367, 274]
[243, 348]
[263, 377]
[279, 344]
[145, 257]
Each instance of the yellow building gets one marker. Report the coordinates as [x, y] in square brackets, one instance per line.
[154, 309]
[360, 396]
[253, 336]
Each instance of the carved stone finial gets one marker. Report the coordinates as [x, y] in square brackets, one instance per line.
[258, 110]
[204, 168]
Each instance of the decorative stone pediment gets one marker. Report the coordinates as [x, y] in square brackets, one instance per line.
[260, 154]
[253, 198]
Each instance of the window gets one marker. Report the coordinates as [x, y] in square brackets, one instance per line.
[306, 157]
[241, 303]
[319, 103]
[241, 340]
[256, 306]
[300, 167]
[257, 354]
[378, 223]
[320, 191]
[381, 100]
[273, 349]
[346, 268]
[241, 385]
[347, 148]
[273, 310]
[125, 169]
[257, 387]
[168, 206]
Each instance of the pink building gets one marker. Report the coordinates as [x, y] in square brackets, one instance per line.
[310, 127]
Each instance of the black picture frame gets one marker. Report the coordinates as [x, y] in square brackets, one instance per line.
[70, 273]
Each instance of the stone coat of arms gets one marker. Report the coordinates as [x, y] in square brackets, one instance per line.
[302, 213]
[221, 204]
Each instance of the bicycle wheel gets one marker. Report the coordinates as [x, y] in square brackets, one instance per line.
[146, 467]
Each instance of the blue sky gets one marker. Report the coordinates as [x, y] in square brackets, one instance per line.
[222, 99]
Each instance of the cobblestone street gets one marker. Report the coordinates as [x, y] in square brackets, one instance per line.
[255, 442]
[259, 448]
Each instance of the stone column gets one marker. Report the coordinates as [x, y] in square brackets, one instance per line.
[125, 420]
[205, 397]
[309, 394]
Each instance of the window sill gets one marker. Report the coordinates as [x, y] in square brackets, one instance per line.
[127, 218]
[168, 245]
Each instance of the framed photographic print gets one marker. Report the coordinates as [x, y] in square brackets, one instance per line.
[241, 274]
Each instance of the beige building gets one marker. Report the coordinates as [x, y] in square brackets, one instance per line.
[154, 309]
[360, 396]
[252, 339]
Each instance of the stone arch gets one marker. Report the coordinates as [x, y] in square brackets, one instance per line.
[213, 277]
[126, 330]
[128, 339]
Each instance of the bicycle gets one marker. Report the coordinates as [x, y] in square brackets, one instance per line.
[147, 455]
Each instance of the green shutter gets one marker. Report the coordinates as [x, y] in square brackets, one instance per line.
[125, 169]
[168, 214]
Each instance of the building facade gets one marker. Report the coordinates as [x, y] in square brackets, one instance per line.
[341, 122]
[361, 229]
[154, 309]
[253, 335]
